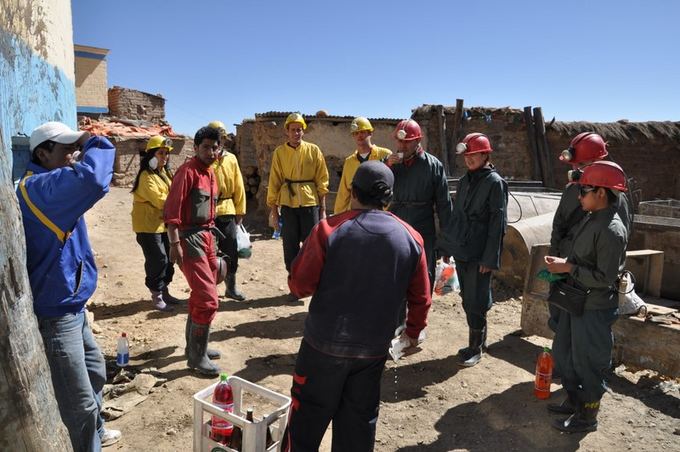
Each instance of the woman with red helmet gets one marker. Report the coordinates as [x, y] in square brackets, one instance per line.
[583, 342]
[474, 237]
[584, 149]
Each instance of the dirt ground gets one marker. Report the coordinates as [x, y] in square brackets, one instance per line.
[428, 402]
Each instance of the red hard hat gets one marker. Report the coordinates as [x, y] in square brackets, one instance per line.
[407, 130]
[584, 147]
[474, 143]
[606, 174]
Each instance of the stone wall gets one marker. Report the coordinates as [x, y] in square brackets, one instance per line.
[256, 140]
[126, 164]
[132, 104]
[640, 148]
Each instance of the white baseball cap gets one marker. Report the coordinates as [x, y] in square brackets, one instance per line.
[57, 132]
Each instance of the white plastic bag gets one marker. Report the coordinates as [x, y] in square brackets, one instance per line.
[243, 244]
[446, 278]
[630, 303]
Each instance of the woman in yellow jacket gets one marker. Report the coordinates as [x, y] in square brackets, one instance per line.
[150, 191]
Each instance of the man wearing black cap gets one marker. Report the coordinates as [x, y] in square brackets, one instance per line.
[359, 266]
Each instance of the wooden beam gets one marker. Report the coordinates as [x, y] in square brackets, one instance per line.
[441, 126]
[455, 135]
[543, 148]
[537, 169]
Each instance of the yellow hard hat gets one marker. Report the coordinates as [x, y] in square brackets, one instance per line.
[295, 117]
[219, 125]
[158, 141]
[360, 124]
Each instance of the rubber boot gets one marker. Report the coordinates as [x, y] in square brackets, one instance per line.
[473, 354]
[197, 347]
[568, 405]
[169, 299]
[232, 292]
[159, 303]
[212, 353]
[583, 420]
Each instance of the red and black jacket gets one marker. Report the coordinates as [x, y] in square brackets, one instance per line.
[360, 265]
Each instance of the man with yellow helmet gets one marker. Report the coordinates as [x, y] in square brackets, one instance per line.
[229, 210]
[298, 184]
[361, 130]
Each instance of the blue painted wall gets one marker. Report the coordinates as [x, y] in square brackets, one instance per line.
[32, 92]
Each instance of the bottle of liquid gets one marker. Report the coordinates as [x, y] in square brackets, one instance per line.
[544, 368]
[123, 351]
[223, 397]
[277, 232]
[236, 442]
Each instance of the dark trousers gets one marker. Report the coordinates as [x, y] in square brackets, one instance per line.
[157, 266]
[583, 351]
[297, 224]
[227, 244]
[475, 290]
[344, 390]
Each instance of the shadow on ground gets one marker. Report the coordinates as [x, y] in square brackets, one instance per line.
[507, 421]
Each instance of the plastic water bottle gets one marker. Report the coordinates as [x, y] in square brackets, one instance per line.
[223, 397]
[277, 232]
[123, 351]
[544, 368]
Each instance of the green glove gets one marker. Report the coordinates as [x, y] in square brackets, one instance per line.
[545, 275]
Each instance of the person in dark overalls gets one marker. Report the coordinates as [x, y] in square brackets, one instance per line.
[474, 237]
[583, 343]
[420, 188]
[584, 149]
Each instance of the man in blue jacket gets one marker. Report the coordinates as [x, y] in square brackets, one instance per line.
[54, 194]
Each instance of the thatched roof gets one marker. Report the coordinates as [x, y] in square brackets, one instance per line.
[620, 130]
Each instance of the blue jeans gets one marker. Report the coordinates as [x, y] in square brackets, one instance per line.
[78, 376]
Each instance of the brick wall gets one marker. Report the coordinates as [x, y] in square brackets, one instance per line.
[132, 104]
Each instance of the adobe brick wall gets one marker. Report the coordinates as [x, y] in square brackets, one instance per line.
[132, 104]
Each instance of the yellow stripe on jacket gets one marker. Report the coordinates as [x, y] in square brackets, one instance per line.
[343, 198]
[304, 163]
[230, 189]
[148, 201]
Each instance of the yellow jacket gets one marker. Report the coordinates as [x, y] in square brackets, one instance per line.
[148, 201]
[305, 168]
[342, 200]
[232, 194]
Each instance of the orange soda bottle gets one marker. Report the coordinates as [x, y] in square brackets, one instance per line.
[544, 368]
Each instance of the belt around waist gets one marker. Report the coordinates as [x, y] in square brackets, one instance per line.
[410, 203]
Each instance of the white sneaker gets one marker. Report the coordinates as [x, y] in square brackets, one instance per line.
[110, 437]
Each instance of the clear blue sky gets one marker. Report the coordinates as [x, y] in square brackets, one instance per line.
[579, 60]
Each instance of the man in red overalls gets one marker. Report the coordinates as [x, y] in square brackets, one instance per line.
[190, 216]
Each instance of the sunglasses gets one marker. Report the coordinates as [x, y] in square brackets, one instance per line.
[585, 189]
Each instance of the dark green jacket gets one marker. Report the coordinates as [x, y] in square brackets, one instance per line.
[475, 233]
[418, 189]
[598, 254]
[569, 214]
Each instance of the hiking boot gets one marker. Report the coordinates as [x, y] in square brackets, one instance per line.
[197, 359]
[169, 299]
[471, 355]
[583, 420]
[232, 292]
[110, 437]
[159, 302]
[212, 353]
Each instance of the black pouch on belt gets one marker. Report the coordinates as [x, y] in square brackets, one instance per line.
[566, 295]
